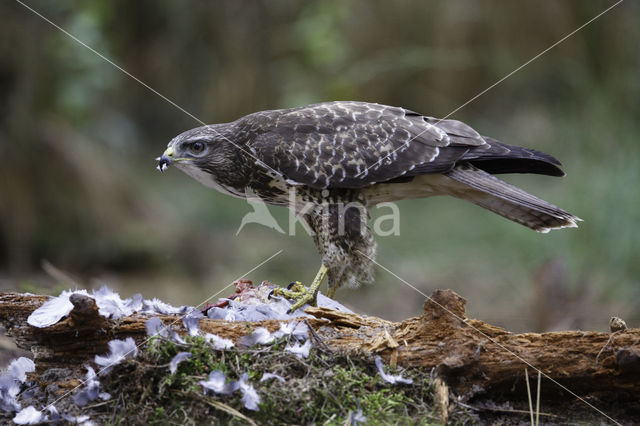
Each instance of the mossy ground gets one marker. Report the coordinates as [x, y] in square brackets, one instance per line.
[325, 388]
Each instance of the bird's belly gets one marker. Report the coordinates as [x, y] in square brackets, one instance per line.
[420, 187]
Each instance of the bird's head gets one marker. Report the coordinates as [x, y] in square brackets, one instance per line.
[203, 153]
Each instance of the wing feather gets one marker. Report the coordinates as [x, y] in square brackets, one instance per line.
[356, 144]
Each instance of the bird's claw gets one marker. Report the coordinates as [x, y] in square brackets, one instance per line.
[295, 286]
[298, 293]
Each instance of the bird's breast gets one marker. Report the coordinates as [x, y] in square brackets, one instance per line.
[209, 180]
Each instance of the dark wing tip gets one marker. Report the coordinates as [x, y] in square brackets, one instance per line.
[518, 165]
[497, 157]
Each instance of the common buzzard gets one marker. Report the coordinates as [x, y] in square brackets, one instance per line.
[331, 161]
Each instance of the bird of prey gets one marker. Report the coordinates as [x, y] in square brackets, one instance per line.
[330, 162]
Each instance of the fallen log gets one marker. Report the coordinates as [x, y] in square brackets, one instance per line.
[472, 357]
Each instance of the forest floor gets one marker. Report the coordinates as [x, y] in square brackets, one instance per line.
[330, 367]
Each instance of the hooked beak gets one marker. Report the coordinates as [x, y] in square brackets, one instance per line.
[165, 160]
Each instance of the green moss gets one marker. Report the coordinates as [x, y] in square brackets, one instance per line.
[158, 417]
[325, 388]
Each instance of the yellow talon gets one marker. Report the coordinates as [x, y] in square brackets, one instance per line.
[302, 295]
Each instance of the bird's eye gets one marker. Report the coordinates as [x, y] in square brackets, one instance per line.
[197, 147]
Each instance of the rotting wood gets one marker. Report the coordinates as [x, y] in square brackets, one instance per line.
[470, 356]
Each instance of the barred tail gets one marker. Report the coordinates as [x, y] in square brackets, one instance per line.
[509, 201]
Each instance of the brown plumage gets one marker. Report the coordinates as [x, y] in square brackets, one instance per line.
[359, 154]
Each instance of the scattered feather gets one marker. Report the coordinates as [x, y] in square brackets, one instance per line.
[217, 384]
[19, 368]
[155, 327]
[90, 391]
[28, 393]
[53, 412]
[111, 305]
[279, 309]
[181, 356]
[157, 306]
[299, 350]
[11, 381]
[191, 322]
[250, 397]
[297, 329]
[357, 417]
[269, 376]
[221, 314]
[78, 420]
[175, 337]
[134, 303]
[260, 336]
[238, 311]
[327, 302]
[257, 304]
[390, 378]
[9, 389]
[53, 310]
[30, 416]
[118, 351]
[219, 343]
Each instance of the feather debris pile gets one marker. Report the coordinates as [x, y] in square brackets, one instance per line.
[256, 303]
[110, 305]
[10, 383]
[15, 379]
[248, 303]
[241, 311]
[343, 339]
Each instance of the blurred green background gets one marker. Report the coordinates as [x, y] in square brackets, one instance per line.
[80, 196]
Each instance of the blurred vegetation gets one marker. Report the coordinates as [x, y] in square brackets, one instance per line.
[78, 138]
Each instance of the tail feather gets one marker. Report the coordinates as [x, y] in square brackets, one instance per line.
[509, 201]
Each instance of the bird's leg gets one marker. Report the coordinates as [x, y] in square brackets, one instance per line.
[331, 292]
[300, 294]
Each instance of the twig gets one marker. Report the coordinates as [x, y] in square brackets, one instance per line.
[526, 379]
[115, 411]
[538, 399]
[316, 337]
[503, 410]
[329, 420]
[220, 406]
[58, 274]
[99, 404]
